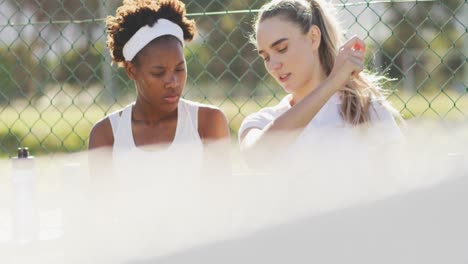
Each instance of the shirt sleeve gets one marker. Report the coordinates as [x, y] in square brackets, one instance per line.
[382, 117]
[256, 120]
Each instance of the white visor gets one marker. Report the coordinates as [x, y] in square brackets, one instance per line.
[146, 34]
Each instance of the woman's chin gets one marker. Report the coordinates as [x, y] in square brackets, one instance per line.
[168, 107]
[289, 88]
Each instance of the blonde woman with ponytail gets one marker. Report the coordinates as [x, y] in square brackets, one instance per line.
[300, 43]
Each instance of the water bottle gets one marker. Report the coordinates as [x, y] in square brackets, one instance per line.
[25, 213]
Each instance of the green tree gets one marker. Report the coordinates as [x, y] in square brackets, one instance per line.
[80, 56]
[20, 73]
[426, 43]
[223, 62]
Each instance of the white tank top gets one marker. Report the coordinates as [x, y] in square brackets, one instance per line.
[127, 157]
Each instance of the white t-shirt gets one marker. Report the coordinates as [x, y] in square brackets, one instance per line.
[328, 117]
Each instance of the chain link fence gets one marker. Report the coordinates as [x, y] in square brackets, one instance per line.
[56, 79]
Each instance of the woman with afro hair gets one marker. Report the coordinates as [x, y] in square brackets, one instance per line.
[147, 39]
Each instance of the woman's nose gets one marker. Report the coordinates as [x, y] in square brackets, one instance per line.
[274, 64]
[171, 81]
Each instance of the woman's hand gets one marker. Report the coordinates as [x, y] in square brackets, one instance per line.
[349, 61]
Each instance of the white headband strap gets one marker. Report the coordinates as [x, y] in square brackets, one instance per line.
[146, 34]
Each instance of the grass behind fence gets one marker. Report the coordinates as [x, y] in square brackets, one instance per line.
[62, 127]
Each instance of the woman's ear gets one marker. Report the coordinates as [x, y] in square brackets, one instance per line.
[130, 69]
[314, 34]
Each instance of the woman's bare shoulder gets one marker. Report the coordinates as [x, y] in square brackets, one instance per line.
[212, 122]
[101, 134]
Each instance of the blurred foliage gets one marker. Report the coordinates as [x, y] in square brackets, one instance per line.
[21, 73]
[82, 66]
[427, 43]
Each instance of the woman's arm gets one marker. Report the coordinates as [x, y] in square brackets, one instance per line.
[101, 135]
[214, 132]
[101, 140]
[212, 124]
[347, 63]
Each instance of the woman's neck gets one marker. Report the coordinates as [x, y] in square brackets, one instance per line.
[313, 83]
[149, 113]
